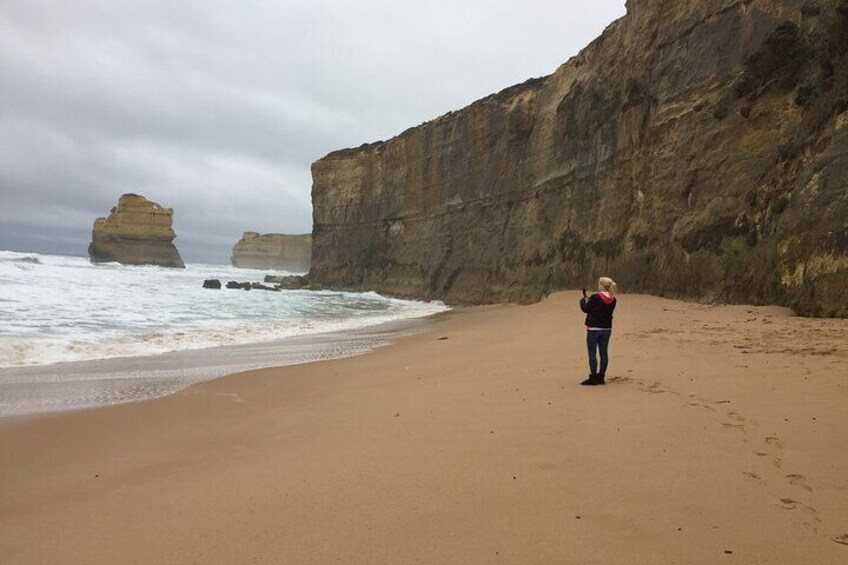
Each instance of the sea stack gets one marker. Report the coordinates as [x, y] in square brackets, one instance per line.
[137, 232]
[273, 251]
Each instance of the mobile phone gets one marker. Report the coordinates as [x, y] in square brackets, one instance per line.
[584, 293]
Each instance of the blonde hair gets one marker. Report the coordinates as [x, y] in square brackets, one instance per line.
[608, 284]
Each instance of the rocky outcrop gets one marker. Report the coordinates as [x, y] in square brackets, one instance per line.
[273, 251]
[137, 232]
[291, 282]
[696, 149]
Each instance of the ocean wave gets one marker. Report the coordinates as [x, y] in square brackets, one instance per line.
[28, 259]
[82, 311]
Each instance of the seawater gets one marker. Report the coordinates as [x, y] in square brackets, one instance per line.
[74, 334]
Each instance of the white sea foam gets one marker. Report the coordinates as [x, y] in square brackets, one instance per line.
[57, 309]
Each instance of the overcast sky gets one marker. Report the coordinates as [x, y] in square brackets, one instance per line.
[218, 108]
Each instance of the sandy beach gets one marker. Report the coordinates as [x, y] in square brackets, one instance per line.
[720, 438]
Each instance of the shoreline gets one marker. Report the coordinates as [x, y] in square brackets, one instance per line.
[719, 437]
[87, 312]
[69, 386]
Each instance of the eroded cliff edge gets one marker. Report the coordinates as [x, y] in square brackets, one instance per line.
[136, 232]
[696, 149]
[273, 251]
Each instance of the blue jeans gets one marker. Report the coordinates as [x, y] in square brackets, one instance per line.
[598, 340]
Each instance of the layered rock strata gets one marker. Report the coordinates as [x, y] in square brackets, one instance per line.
[273, 251]
[137, 232]
[696, 149]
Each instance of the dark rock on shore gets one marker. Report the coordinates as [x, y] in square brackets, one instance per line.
[212, 283]
[244, 286]
[260, 286]
[292, 282]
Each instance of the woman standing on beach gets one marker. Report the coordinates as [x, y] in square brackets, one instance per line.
[598, 308]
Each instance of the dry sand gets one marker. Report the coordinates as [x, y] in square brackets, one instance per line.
[721, 438]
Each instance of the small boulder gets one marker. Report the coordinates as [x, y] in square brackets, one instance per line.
[293, 282]
[212, 283]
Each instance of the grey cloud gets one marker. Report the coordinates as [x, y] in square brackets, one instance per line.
[217, 109]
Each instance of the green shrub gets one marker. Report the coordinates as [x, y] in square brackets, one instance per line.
[634, 94]
[709, 237]
[810, 87]
[571, 247]
[584, 111]
[752, 238]
[603, 108]
[751, 198]
[777, 56]
[788, 150]
[783, 40]
[810, 9]
[721, 109]
[778, 205]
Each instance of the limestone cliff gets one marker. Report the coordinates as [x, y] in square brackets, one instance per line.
[273, 251]
[137, 232]
[698, 148]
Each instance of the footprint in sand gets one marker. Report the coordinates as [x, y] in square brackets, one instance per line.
[752, 475]
[843, 539]
[740, 427]
[792, 504]
[698, 405]
[619, 380]
[737, 421]
[775, 441]
[798, 481]
[778, 462]
[655, 388]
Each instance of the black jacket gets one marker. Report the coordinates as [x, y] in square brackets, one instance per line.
[598, 311]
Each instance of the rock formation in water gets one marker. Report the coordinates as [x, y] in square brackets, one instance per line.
[137, 232]
[273, 251]
[696, 149]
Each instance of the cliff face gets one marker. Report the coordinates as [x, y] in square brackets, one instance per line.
[137, 232]
[273, 251]
[696, 149]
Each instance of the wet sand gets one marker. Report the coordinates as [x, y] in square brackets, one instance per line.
[77, 385]
[720, 438]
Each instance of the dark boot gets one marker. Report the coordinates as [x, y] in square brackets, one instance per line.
[593, 381]
[601, 380]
